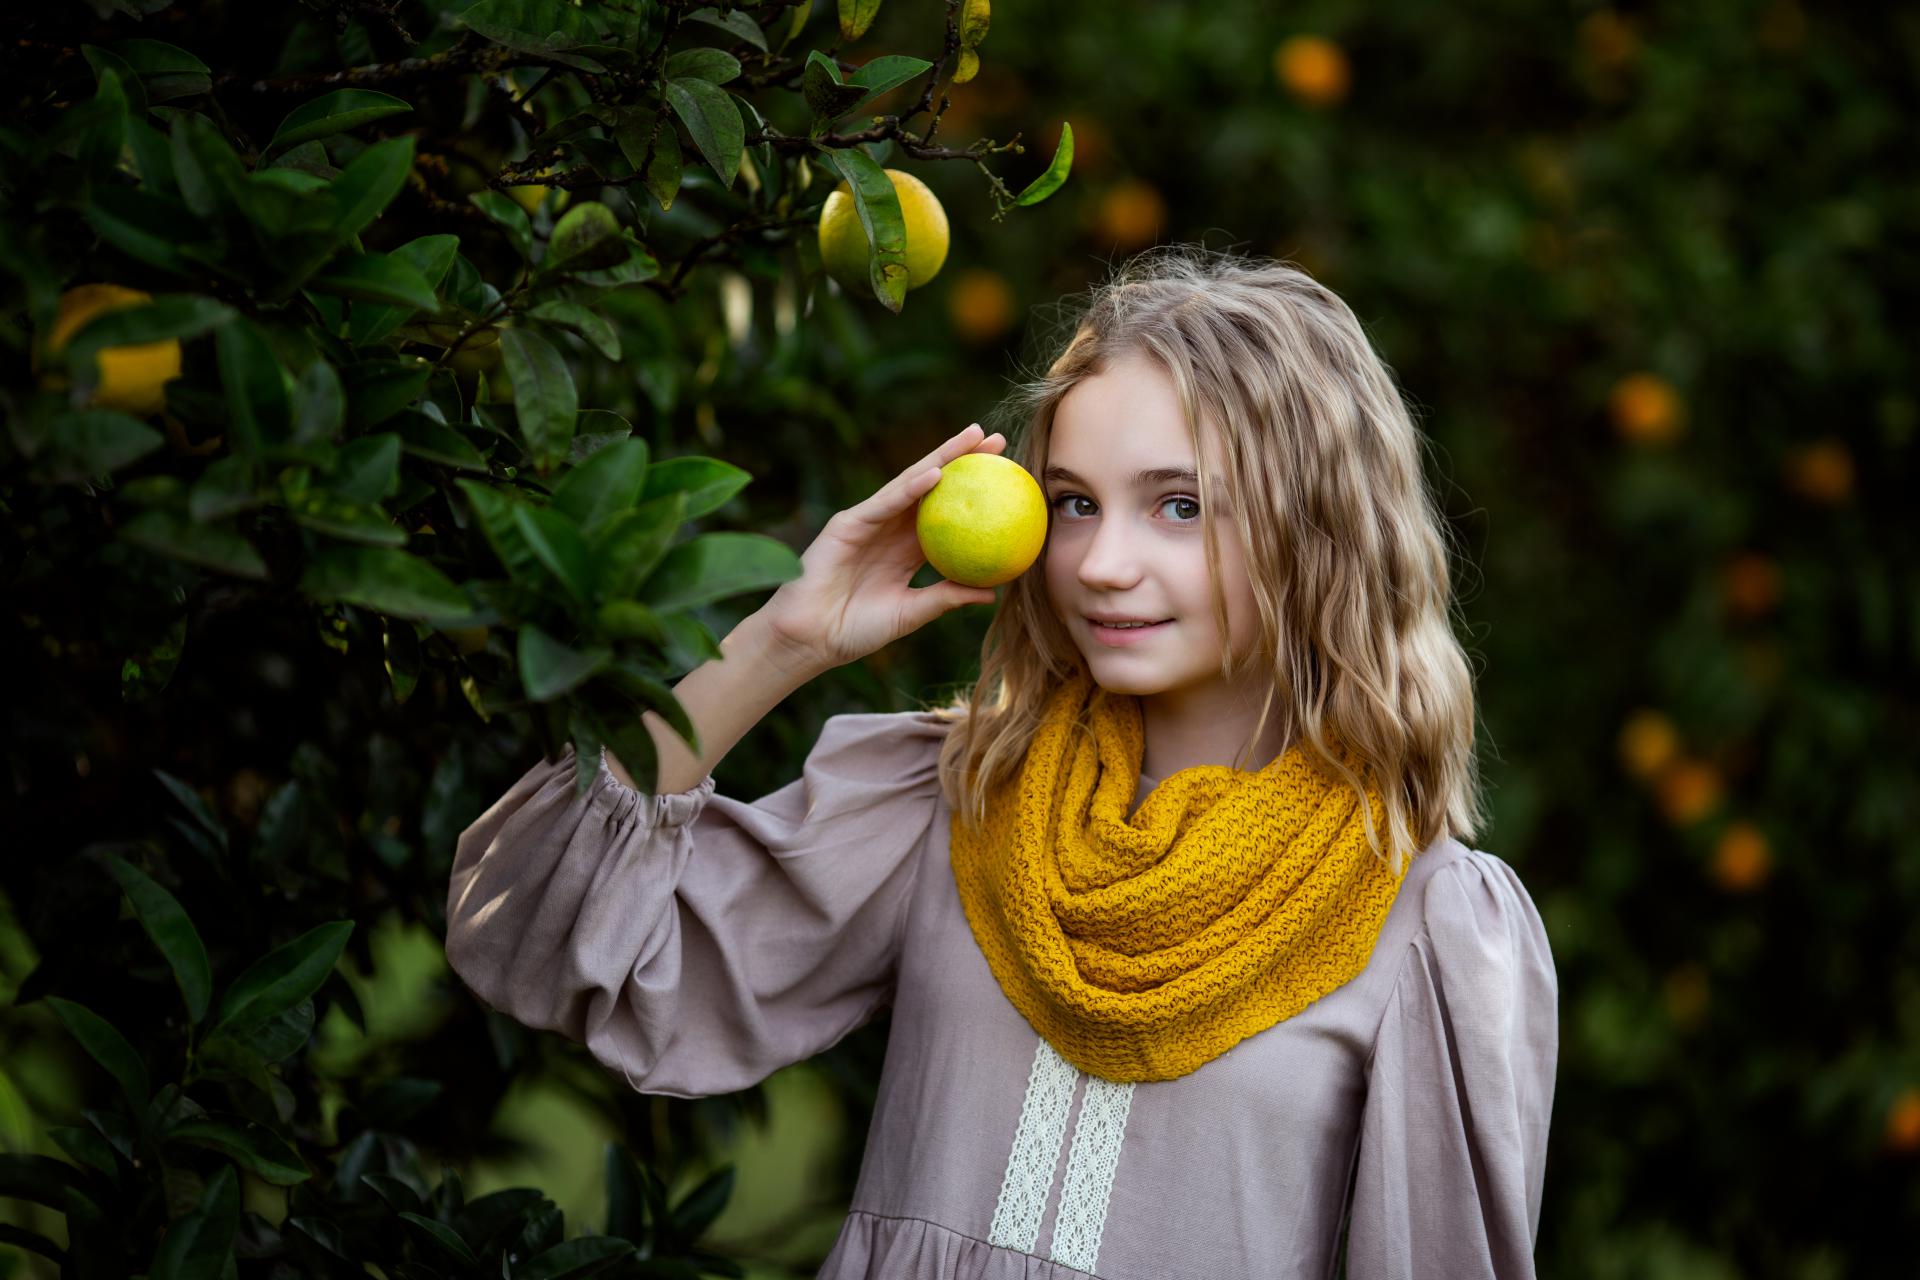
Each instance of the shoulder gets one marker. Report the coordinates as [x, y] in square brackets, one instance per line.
[1474, 915]
[900, 747]
[1478, 960]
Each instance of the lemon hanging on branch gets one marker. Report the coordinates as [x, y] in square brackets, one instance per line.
[845, 251]
[133, 378]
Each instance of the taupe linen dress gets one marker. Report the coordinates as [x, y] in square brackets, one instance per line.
[696, 943]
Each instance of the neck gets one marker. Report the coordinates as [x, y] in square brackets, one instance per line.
[1189, 727]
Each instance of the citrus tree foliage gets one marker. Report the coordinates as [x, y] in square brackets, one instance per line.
[346, 347]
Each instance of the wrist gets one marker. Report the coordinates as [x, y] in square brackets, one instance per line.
[755, 641]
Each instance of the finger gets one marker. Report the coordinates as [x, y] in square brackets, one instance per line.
[896, 496]
[912, 484]
[930, 601]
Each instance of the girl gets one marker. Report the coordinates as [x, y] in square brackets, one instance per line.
[1191, 973]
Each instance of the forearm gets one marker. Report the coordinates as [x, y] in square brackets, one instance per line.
[724, 697]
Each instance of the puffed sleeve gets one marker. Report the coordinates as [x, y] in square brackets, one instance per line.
[695, 942]
[1453, 1138]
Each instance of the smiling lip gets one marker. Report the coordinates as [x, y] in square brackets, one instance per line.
[1119, 636]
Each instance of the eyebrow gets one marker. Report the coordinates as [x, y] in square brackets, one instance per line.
[1141, 479]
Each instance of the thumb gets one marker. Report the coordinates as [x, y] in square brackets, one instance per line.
[938, 597]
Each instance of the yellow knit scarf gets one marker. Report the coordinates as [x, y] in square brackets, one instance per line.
[1144, 947]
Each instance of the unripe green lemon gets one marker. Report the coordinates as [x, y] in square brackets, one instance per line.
[984, 522]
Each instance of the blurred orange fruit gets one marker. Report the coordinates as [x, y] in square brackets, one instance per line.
[1764, 663]
[1648, 743]
[1783, 27]
[981, 305]
[1646, 409]
[1821, 471]
[1688, 790]
[1092, 144]
[1608, 40]
[1751, 584]
[1687, 991]
[1313, 69]
[1742, 858]
[1130, 215]
[1903, 1121]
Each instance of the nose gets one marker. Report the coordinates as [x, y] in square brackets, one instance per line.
[1110, 562]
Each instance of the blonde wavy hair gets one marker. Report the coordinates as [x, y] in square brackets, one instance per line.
[1346, 547]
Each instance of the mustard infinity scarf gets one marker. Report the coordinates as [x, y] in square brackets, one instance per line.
[1142, 948]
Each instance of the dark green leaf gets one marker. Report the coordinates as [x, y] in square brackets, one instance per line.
[367, 469]
[166, 921]
[582, 1256]
[256, 388]
[378, 389]
[1057, 169]
[369, 183]
[559, 546]
[101, 441]
[319, 404]
[884, 74]
[333, 113]
[145, 225]
[633, 542]
[341, 517]
[41, 1179]
[511, 218]
[495, 510]
[108, 1047]
[225, 487]
[707, 482]
[166, 72]
[715, 66]
[714, 122]
[878, 206]
[696, 1212]
[543, 393]
[828, 97]
[531, 26]
[387, 580]
[740, 24]
[604, 486]
[444, 1237]
[549, 668]
[435, 441]
[199, 1245]
[282, 978]
[591, 325]
[431, 256]
[377, 277]
[209, 546]
[399, 1196]
[714, 566]
[257, 1148]
[663, 171]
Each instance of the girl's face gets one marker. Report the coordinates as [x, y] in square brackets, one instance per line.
[1125, 541]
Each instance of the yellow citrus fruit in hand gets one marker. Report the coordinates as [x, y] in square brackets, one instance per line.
[133, 378]
[984, 522]
[844, 249]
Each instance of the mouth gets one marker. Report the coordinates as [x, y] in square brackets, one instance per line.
[1123, 635]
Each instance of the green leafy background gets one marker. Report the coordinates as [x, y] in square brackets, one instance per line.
[1636, 267]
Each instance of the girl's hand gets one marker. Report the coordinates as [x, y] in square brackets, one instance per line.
[852, 597]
